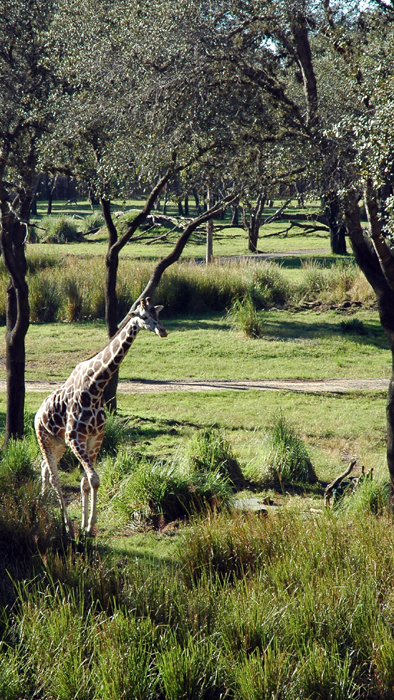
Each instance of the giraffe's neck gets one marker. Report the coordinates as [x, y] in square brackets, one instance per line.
[102, 367]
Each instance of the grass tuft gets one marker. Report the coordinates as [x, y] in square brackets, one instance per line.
[243, 317]
[284, 459]
[210, 452]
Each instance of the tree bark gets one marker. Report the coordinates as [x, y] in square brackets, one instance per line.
[209, 244]
[333, 216]
[375, 260]
[255, 222]
[13, 236]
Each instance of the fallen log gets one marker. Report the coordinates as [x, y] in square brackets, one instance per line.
[329, 490]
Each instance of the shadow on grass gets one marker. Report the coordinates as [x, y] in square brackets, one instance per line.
[295, 330]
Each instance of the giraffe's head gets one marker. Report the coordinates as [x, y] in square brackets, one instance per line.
[149, 317]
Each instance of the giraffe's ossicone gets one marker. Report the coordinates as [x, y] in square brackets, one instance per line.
[73, 415]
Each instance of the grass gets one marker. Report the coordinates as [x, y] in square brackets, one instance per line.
[228, 242]
[294, 605]
[301, 345]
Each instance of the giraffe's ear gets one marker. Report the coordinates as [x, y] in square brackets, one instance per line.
[159, 308]
[147, 301]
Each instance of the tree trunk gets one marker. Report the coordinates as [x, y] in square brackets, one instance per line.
[51, 192]
[12, 243]
[197, 201]
[111, 298]
[235, 216]
[255, 222]
[333, 216]
[186, 205]
[209, 246]
[375, 260]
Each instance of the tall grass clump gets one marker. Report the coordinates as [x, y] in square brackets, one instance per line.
[60, 229]
[93, 221]
[339, 283]
[45, 296]
[283, 458]
[160, 492]
[269, 286]
[243, 317]
[369, 496]
[209, 452]
[28, 525]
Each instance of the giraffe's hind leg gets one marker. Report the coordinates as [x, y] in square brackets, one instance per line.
[52, 450]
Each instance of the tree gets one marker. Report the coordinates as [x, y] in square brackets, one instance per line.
[26, 85]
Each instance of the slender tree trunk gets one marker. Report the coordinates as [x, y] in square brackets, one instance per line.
[333, 216]
[51, 192]
[13, 235]
[186, 205]
[235, 215]
[209, 246]
[197, 201]
[255, 222]
[377, 263]
[111, 298]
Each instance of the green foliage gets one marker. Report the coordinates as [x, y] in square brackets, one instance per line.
[60, 229]
[284, 459]
[17, 463]
[269, 286]
[159, 489]
[189, 670]
[45, 298]
[93, 221]
[116, 432]
[243, 316]
[369, 496]
[209, 451]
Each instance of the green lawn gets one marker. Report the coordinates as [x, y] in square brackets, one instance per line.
[229, 241]
[303, 345]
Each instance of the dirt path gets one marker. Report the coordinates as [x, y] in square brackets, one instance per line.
[321, 386]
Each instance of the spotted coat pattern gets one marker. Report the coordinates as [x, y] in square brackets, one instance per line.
[73, 415]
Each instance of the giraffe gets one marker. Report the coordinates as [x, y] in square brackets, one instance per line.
[73, 415]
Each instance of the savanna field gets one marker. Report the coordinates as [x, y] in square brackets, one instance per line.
[186, 592]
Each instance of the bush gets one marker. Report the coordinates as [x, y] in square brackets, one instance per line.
[60, 229]
[243, 317]
[159, 491]
[93, 221]
[369, 496]
[44, 297]
[285, 459]
[210, 452]
[17, 463]
[269, 286]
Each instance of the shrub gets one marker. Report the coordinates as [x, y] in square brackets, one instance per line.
[210, 452]
[269, 286]
[17, 463]
[285, 459]
[93, 221]
[369, 496]
[44, 297]
[60, 229]
[243, 316]
[158, 489]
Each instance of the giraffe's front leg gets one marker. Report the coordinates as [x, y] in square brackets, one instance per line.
[85, 490]
[86, 451]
